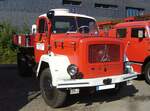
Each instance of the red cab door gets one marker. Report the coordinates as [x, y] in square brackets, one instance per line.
[138, 44]
[42, 38]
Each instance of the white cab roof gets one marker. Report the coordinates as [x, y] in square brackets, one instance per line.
[65, 12]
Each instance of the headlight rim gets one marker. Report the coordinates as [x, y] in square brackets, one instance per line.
[128, 67]
[72, 66]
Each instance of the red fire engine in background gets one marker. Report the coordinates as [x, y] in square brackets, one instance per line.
[67, 54]
[135, 33]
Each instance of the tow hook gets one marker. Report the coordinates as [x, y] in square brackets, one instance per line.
[107, 81]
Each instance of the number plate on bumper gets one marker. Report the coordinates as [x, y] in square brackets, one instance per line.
[111, 86]
[74, 91]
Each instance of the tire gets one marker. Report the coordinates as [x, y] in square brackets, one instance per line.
[24, 70]
[52, 96]
[147, 73]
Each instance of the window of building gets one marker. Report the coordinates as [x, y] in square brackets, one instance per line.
[121, 33]
[134, 11]
[71, 2]
[105, 6]
[138, 32]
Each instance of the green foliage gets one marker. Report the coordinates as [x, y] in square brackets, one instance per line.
[25, 29]
[7, 56]
[7, 50]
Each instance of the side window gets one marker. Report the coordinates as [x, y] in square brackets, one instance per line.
[43, 26]
[138, 32]
[121, 33]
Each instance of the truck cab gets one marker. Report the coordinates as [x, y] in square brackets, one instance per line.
[136, 37]
[70, 56]
[63, 25]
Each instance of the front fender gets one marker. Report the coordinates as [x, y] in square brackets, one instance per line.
[58, 67]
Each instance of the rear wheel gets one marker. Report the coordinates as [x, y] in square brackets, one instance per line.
[52, 96]
[23, 66]
[147, 73]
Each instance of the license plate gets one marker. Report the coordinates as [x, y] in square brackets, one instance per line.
[129, 83]
[74, 91]
[111, 86]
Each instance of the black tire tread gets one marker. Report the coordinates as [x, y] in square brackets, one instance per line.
[147, 79]
[60, 96]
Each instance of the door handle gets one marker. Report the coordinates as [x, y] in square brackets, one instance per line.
[74, 45]
[40, 37]
[129, 43]
[62, 45]
[55, 44]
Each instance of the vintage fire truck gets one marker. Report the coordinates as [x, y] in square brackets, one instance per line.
[135, 33]
[67, 55]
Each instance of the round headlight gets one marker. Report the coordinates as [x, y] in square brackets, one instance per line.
[128, 67]
[72, 69]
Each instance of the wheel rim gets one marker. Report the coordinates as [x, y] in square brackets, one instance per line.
[48, 89]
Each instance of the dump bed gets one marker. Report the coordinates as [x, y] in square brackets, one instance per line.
[23, 40]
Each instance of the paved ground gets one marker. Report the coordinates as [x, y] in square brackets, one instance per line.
[22, 94]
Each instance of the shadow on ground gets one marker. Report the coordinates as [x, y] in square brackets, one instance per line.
[101, 96]
[15, 92]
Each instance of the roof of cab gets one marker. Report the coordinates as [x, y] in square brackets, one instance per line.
[134, 23]
[65, 12]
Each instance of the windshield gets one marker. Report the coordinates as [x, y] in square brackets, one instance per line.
[64, 24]
[90, 24]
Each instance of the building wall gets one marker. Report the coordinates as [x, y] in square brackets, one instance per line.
[20, 12]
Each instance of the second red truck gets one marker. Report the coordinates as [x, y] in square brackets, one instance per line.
[134, 32]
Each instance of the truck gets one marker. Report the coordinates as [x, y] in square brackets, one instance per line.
[67, 55]
[134, 32]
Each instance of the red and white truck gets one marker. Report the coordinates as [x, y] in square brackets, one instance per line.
[67, 54]
[134, 32]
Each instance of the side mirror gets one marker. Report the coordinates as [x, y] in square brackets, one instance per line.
[34, 29]
[50, 14]
[141, 34]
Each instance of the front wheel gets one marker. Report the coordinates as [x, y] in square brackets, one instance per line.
[147, 73]
[52, 96]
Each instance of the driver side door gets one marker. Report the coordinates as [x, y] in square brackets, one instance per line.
[42, 38]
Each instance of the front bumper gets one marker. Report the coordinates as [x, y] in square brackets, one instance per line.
[78, 83]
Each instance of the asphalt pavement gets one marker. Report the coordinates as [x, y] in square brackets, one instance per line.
[23, 94]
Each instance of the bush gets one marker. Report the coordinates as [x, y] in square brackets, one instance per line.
[7, 50]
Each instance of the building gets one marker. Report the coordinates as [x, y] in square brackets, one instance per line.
[20, 12]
